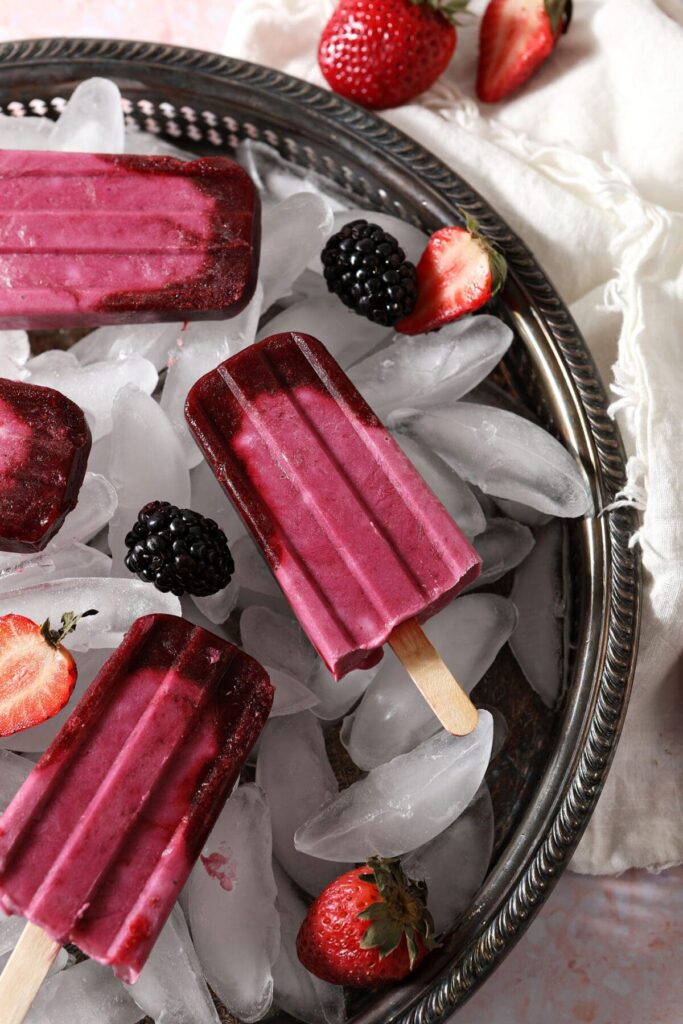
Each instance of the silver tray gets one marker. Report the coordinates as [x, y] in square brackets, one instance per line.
[545, 786]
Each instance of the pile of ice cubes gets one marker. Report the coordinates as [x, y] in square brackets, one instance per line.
[281, 839]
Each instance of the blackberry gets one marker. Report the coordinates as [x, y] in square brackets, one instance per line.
[368, 270]
[178, 550]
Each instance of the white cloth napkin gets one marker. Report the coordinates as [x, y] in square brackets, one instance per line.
[586, 164]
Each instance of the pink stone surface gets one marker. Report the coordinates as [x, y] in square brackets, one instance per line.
[602, 950]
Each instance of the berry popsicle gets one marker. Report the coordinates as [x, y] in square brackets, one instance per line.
[88, 239]
[99, 841]
[360, 545]
[44, 448]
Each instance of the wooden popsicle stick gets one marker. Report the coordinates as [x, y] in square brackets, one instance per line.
[24, 973]
[438, 686]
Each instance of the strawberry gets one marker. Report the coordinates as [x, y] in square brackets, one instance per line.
[458, 272]
[516, 36]
[381, 53]
[368, 927]
[37, 674]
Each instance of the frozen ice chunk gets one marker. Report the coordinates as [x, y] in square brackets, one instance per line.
[94, 387]
[217, 607]
[455, 863]
[234, 923]
[502, 547]
[452, 492]
[538, 592]
[147, 144]
[522, 513]
[412, 240]
[119, 603]
[11, 370]
[294, 231]
[209, 498]
[15, 345]
[201, 347]
[76, 560]
[335, 697]
[39, 737]
[296, 991]
[403, 804]
[97, 503]
[504, 454]
[277, 642]
[344, 334]
[295, 774]
[92, 120]
[393, 717]
[146, 464]
[25, 132]
[14, 770]
[155, 342]
[432, 368]
[84, 994]
[171, 987]
[279, 179]
[291, 696]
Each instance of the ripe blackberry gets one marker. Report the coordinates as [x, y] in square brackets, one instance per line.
[179, 551]
[368, 270]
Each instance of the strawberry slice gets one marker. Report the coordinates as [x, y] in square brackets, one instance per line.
[44, 448]
[458, 272]
[516, 37]
[37, 674]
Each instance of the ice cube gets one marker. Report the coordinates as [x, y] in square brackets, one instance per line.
[234, 923]
[294, 232]
[217, 607]
[25, 132]
[402, 804]
[291, 696]
[147, 464]
[452, 492]
[14, 771]
[412, 240]
[146, 144]
[502, 547]
[38, 738]
[522, 513]
[256, 581]
[277, 642]
[209, 498]
[19, 923]
[171, 987]
[119, 603]
[95, 386]
[92, 120]
[504, 454]
[201, 347]
[344, 334]
[11, 370]
[336, 697]
[436, 368]
[155, 342]
[96, 505]
[538, 592]
[76, 560]
[294, 772]
[393, 717]
[295, 990]
[15, 345]
[277, 179]
[85, 994]
[455, 863]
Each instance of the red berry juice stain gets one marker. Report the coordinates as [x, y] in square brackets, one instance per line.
[221, 868]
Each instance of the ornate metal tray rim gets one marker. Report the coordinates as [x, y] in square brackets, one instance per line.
[558, 813]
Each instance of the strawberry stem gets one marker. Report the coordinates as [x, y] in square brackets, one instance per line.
[498, 263]
[69, 622]
[400, 911]
[449, 9]
[559, 12]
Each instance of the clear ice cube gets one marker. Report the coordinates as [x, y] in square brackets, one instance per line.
[294, 772]
[278, 179]
[234, 923]
[393, 717]
[402, 804]
[92, 120]
[25, 132]
[88, 993]
[96, 505]
[344, 334]
[155, 342]
[294, 232]
[502, 547]
[15, 345]
[64, 563]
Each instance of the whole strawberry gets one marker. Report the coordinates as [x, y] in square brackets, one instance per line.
[369, 927]
[515, 38]
[381, 53]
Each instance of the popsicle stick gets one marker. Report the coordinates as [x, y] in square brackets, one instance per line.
[438, 686]
[24, 973]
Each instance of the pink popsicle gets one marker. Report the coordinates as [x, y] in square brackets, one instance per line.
[88, 239]
[99, 841]
[352, 533]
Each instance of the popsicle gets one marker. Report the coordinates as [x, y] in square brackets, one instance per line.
[360, 545]
[44, 447]
[100, 839]
[88, 239]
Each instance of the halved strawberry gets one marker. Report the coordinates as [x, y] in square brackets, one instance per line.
[516, 37]
[37, 674]
[458, 272]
